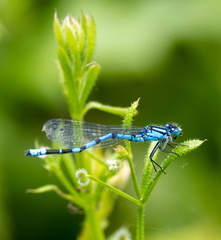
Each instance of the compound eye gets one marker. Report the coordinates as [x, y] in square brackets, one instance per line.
[169, 126]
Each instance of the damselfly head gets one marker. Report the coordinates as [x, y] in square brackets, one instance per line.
[173, 129]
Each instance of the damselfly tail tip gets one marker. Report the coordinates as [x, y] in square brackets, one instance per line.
[27, 153]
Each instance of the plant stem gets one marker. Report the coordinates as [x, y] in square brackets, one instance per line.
[140, 222]
[67, 185]
[117, 191]
[94, 157]
[92, 228]
[133, 175]
[71, 168]
[96, 105]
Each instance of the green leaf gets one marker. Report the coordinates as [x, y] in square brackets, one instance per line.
[121, 111]
[89, 27]
[69, 87]
[130, 114]
[190, 145]
[81, 39]
[181, 150]
[49, 188]
[76, 40]
[88, 81]
[57, 30]
[66, 68]
[74, 55]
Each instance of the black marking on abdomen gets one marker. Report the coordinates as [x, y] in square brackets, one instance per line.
[82, 148]
[114, 135]
[66, 150]
[97, 140]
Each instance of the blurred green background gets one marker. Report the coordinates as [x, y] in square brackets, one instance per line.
[167, 52]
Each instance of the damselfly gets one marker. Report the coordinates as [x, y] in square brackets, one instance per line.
[70, 133]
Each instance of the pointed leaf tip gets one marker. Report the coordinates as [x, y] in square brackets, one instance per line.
[130, 114]
[188, 146]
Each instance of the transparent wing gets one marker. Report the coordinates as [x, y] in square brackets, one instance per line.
[72, 133]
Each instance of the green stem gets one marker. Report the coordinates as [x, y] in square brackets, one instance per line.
[133, 175]
[115, 190]
[67, 185]
[106, 108]
[54, 188]
[140, 222]
[92, 229]
[93, 156]
[69, 164]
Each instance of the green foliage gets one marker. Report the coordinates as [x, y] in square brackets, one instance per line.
[148, 183]
[87, 180]
[76, 42]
